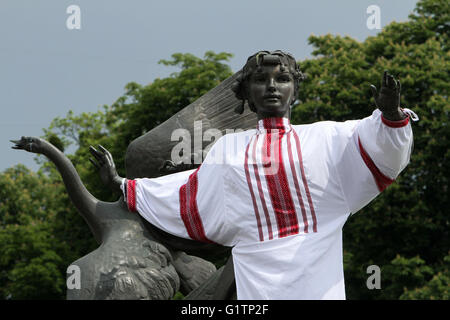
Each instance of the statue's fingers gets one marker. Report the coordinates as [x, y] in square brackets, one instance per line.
[384, 80]
[374, 90]
[109, 160]
[96, 155]
[396, 84]
[93, 151]
[94, 163]
[107, 154]
[374, 94]
[391, 82]
[102, 149]
[399, 86]
[15, 141]
[167, 166]
[169, 163]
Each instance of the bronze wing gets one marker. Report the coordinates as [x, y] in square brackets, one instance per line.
[215, 109]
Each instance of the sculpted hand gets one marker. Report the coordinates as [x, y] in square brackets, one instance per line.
[388, 99]
[104, 163]
[30, 144]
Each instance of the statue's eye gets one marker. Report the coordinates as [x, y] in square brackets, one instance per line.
[284, 78]
[260, 78]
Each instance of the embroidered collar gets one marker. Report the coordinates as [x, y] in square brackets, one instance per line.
[273, 124]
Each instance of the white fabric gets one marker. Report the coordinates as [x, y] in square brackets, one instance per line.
[283, 213]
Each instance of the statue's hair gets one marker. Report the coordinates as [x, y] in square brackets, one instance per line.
[254, 63]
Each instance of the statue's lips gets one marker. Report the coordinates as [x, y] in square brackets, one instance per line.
[272, 98]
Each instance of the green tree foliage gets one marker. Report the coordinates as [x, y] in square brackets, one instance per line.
[405, 230]
[36, 238]
[437, 288]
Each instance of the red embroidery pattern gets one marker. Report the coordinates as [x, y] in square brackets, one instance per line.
[189, 209]
[131, 195]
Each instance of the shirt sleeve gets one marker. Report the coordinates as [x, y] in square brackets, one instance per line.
[369, 154]
[189, 204]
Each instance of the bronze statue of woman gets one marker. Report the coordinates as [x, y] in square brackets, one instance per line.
[278, 195]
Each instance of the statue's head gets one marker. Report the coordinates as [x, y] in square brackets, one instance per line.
[269, 82]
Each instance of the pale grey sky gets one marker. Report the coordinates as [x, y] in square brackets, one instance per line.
[47, 69]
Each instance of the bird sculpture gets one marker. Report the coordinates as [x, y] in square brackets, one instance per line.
[129, 263]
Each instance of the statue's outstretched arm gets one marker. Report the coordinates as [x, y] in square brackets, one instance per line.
[80, 196]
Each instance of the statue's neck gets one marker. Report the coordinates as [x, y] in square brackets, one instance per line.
[80, 196]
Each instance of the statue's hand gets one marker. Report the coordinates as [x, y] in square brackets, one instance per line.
[104, 163]
[30, 144]
[388, 99]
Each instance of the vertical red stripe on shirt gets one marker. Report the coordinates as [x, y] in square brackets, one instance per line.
[297, 186]
[278, 186]
[381, 180]
[267, 165]
[131, 195]
[290, 214]
[189, 209]
[267, 123]
[278, 123]
[305, 183]
[260, 190]
[249, 182]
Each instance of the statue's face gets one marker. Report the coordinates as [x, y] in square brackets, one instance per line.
[271, 91]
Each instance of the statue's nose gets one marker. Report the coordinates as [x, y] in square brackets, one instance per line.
[271, 85]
